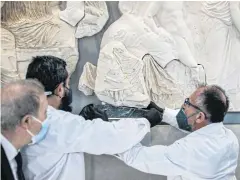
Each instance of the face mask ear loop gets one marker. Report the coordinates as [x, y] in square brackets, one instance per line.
[29, 132]
[37, 120]
[192, 115]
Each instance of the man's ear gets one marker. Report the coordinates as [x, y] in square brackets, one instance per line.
[25, 122]
[59, 90]
[200, 117]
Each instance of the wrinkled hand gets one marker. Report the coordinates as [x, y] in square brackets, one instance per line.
[153, 116]
[90, 112]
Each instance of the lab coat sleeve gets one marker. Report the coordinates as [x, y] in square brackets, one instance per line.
[158, 159]
[169, 116]
[76, 134]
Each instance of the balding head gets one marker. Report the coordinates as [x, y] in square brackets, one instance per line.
[18, 99]
[213, 100]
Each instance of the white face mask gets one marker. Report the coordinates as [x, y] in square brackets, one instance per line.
[42, 133]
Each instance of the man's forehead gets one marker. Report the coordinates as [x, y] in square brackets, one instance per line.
[196, 93]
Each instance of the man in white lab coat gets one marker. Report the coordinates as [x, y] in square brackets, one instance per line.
[210, 151]
[60, 156]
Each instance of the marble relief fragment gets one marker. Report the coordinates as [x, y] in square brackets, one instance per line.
[221, 46]
[167, 15]
[171, 17]
[160, 55]
[161, 87]
[8, 57]
[96, 16]
[87, 79]
[169, 86]
[119, 80]
[139, 39]
[73, 13]
[38, 30]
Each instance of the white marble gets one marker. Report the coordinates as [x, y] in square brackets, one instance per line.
[95, 17]
[221, 47]
[73, 13]
[170, 16]
[139, 39]
[167, 15]
[169, 86]
[161, 87]
[169, 68]
[164, 40]
[8, 57]
[177, 36]
[37, 30]
[120, 80]
[87, 79]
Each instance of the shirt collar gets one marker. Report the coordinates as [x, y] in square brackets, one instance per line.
[213, 128]
[10, 150]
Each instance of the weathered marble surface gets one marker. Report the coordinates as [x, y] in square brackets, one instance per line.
[119, 78]
[170, 74]
[34, 28]
[87, 79]
[73, 13]
[88, 16]
[96, 16]
[221, 46]
[178, 36]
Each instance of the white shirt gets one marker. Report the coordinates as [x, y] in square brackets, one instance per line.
[60, 156]
[208, 153]
[11, 153]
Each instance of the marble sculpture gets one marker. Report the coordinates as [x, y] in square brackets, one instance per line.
[31, 28]
[167, 67]
[170, 39]
[40, 28]
[159, 51]
[89, 16]
[87, 79]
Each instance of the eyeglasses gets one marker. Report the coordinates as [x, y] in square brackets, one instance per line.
[187, 102]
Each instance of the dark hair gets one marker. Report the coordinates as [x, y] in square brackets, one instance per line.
[49, 70]
[215, 103]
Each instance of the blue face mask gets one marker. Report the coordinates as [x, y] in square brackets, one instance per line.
[42, 133]
[182, 120]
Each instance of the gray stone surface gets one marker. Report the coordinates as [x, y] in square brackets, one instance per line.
[89, 48]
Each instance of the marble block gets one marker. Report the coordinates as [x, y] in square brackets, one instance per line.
[87, 79]
[119, 80]
[37, 30]
[73, 13]
[95, 17]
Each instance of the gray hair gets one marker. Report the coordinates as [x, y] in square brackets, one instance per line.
[214, 102]
[18, 99]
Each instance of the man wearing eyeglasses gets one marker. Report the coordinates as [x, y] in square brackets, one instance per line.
[210, 151]
[60, 154]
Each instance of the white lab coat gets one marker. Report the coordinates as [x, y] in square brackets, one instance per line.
[208, 153]
[60, 156]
